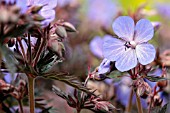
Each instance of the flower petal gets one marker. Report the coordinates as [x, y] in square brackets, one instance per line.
[96, 46]
[113, 48]
[145, 53]
[49, 4]
[144, 31]
[104, 67]
[124, 27]
[49, 15]
[126, 61]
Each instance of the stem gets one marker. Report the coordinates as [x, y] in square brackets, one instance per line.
[22, 49]
[29, 48]
[129, 107]
[31, 93]
[138, 103]
[20, 106]
[85, 83]
[78, 111]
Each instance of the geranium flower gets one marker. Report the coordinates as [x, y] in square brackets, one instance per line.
[101, 11]
[63, 3]
[47, 11]
[164, 10]
[132, 46]
[96, 48]
[20, 3]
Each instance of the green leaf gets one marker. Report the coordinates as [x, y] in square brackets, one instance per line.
[68, 79]
[155, 78]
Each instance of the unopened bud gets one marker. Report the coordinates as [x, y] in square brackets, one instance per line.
[61, 31]
[36, 9]
[55, 46]
[69, 27]
[104, 106]
[156, 25]
[38, 17]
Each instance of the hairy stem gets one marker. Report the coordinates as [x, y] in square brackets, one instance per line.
[138, 103]
[20, 106]
[31, 93]
[129, 106]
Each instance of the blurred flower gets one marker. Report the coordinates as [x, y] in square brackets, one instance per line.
[20, 3]
[97, 49]
[96, 46]
[101, 11]
[164, 10]
[47, 11]
[123, 91]
[63, 3]
[132, 45]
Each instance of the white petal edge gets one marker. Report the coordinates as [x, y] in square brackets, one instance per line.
[127, 60]
[124, 27]
[145, 53]
[144, 31]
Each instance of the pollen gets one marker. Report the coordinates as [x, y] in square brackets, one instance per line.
[133, 44]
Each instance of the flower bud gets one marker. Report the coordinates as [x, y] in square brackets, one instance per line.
[35, 9]
[69, 27]
[57, 47]
[61, 31]
[38, 17]
[156, 25]
[143, 92]
[104, 106]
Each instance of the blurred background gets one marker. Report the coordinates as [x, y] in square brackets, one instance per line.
[93, 20]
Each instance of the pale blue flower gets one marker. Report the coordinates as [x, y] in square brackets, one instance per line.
[132, 47]
[104, 67]
[164, 10]
[96, 48]
[123, 91]
[101, 11]
[47, 11]
[63, 3]
[20, 3]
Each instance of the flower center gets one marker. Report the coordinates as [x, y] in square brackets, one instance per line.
[131, 44]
